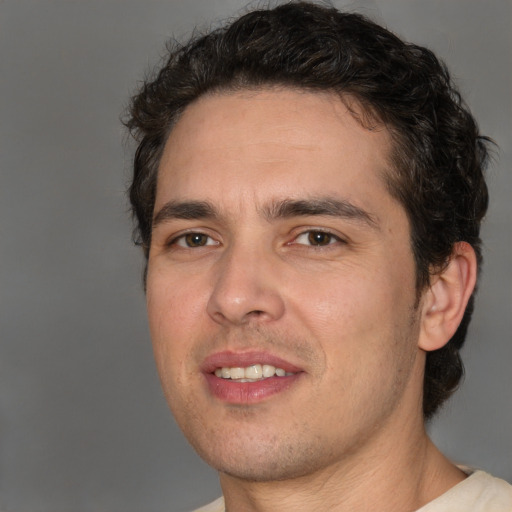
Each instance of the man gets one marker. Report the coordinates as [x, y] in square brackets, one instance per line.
[308, 192]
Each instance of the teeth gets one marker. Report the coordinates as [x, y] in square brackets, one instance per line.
[254, 372]
[268, 370]
[236, 373]
[251, 373]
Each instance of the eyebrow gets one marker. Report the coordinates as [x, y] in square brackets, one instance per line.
[284, 209]
[188, 210]
[323, 206]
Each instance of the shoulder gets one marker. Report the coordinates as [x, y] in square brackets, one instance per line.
[215, 506]
[480, 492]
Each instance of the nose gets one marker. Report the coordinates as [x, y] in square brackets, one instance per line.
[246, 288]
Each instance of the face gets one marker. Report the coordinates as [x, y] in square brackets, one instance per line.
[281, 285]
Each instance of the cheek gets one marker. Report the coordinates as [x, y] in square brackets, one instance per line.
[171, 335]
[173, 303]
[345, 302]
[174, 316]
[358, 319]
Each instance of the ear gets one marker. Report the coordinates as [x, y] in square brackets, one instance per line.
[446, 299]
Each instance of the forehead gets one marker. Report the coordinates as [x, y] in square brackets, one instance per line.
[274, 142]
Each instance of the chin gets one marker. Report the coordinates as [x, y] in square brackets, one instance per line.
[267, 473]
[262, 460]
[264, 471]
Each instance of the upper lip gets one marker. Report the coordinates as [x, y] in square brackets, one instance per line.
[243, 359]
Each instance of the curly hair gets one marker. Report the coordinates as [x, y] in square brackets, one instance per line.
[438, 154]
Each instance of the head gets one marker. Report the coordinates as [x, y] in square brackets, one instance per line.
[437, 154]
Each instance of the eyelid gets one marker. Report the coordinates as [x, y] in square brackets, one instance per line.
[338, 238]
[176, 237]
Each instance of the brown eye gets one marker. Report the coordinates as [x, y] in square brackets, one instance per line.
[194, 240]
[319, 238]
[316, 238]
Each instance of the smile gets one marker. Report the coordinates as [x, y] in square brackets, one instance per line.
[248, 378]
[252, 373]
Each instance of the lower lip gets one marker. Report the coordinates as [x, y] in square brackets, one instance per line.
[241, 393]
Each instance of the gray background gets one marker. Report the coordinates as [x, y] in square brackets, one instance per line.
[83, 423]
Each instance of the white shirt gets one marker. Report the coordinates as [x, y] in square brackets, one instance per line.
[479, 492]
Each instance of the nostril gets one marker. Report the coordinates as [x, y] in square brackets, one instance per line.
[238, 299]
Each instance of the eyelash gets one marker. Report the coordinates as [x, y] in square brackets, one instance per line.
[187, 239]
[176, 240]
[333, 239]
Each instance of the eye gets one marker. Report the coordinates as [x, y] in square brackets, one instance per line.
[193, 240]
[317, 238]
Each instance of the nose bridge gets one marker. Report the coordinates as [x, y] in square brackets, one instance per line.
[246, 285]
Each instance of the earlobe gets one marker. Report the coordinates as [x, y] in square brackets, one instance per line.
[446, 299]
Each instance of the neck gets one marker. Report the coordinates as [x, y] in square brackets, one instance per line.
[394, 473]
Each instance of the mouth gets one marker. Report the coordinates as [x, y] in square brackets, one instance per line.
[252, 373]
[248, 378]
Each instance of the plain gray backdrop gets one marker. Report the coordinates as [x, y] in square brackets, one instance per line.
[83, 423]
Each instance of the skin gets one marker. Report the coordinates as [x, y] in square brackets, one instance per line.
[347, 434]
